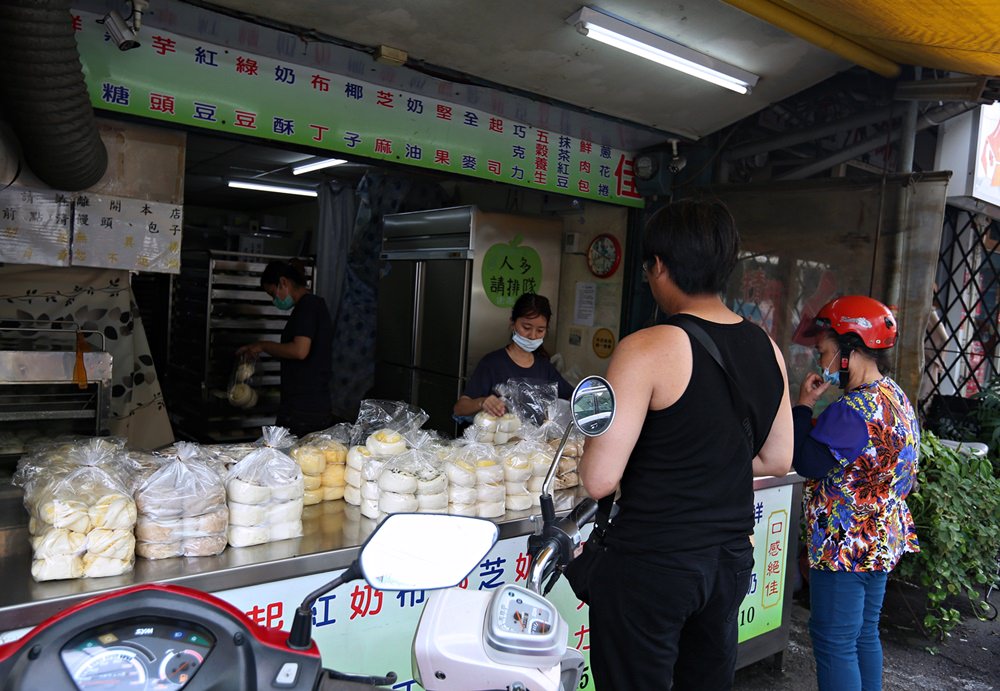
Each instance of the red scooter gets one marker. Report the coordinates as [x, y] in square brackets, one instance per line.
[166, 638]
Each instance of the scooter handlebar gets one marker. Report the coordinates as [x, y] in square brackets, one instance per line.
[583, 512]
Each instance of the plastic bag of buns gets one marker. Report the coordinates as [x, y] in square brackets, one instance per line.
[322, 457]
[265, 493]
[528, 399]
[490, 429]
[566, 473]
[412, 482]
[182, 508]
[81, 525]
[51, 459]
[376, 415]
[240, 392]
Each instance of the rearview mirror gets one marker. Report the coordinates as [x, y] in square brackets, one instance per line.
[593, 406]
[424, 551]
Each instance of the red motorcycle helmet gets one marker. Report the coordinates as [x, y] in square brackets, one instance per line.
[861, 315]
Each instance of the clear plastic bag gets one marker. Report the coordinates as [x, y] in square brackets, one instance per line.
[412, 482]
[375, 414]
[50, 457]
[81, 524]
[322, 457]
[489, 429]
[241, 393]
[265, 493]
[528, 399]
[182, 508]
[566, 474]
[57, 458]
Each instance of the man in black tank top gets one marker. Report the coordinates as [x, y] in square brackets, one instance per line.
[665, 592]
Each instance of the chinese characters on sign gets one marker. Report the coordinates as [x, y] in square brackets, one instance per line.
[119, 233]
[187, 81]
[34, 226]
[510, 270]
[761, 609]
[775, 558]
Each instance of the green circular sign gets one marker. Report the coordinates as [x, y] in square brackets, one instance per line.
[509, 271]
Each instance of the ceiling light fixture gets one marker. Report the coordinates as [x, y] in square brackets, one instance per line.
[265, 187]
[628, 37]
[317, 165]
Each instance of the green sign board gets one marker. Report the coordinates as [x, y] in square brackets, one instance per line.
[510, 270]
[190, 82]
[761, 609]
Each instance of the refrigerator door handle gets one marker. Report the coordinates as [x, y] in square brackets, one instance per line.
[419, 288]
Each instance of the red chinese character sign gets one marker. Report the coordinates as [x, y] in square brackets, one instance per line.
[510, 270]
[189, 82]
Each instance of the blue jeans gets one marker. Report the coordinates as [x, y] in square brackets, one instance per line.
[845, 609]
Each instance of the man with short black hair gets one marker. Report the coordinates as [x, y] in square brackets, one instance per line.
[696, 421]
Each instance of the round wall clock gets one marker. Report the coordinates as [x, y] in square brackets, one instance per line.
[604, 255]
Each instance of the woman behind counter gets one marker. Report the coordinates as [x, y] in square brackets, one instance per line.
[305, 350]
[522, 358]
[861, 457]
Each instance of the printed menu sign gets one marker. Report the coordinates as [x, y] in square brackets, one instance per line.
[191, 82]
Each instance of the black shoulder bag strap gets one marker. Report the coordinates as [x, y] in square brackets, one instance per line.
[602, 518]
[742, 407]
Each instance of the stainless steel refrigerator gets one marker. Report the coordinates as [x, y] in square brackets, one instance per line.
[449, 279]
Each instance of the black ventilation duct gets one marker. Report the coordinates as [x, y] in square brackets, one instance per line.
[44, 95]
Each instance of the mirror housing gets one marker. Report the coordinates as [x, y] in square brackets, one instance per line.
[593, 405]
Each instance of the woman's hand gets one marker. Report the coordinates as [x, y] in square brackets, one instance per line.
[812, 388]
[494, 405]
[252, 350]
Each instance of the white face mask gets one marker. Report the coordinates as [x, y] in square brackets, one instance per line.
[528, 344]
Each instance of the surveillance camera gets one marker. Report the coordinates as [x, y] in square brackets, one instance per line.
[677, 164]
[121, 33]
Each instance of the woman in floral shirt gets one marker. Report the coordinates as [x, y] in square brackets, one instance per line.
[861, 456]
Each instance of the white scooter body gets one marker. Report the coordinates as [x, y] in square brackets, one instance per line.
[509, 638]
[512, 638]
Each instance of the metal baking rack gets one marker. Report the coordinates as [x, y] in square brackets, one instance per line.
[39, 396]
[217, 305]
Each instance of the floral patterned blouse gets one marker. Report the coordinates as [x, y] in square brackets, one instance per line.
[857, 515]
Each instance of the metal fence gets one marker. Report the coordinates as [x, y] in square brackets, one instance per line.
[960, 347]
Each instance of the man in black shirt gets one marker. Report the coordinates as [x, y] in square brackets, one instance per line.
[665, 592]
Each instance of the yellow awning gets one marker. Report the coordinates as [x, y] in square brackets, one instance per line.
[952, 35]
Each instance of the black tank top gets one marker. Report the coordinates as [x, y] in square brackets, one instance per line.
[689, 481]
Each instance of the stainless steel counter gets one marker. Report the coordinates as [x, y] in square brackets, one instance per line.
[332, 534]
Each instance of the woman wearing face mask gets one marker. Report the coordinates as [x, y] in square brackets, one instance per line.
[861, 461]
[523, 358]
[305, 350]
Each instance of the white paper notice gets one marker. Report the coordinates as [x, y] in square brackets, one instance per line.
[586, 300]
[121, 233]
[34, 226]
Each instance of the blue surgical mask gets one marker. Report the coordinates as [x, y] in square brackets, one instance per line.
[286, 303]
[832, 378]
[528, 344]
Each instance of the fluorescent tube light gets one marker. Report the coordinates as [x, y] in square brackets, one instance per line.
[317, 165]
[628, 37]
[281, 189]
